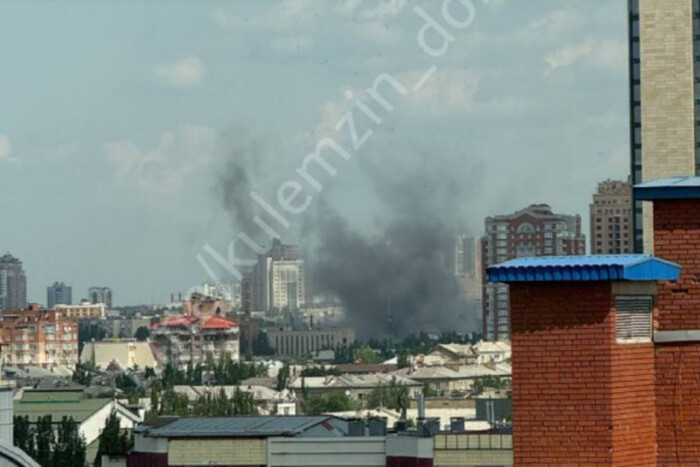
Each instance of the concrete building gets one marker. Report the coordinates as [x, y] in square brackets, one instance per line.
[82, 311]
[612, 218]
[123, 328]
[664, 83]
[533, 231]
[100, 295]
[320, 441]
[58, 294]
[36, 337]
[454, 379]
[13, 284]
[202, 305]
[354, 385]
[181, 340]
[298, 343]
[277, 281]
[125, 353]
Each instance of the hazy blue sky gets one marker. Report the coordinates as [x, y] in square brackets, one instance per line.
[116, 119]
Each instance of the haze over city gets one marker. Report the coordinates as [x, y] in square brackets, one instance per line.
[118, 120]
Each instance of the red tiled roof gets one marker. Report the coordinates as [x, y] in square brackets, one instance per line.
[219, 323]
[176, 321]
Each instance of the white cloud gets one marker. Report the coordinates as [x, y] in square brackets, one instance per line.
[611, 53]
[568, 55]
[5, 147]
[173, 158]
[184, 73]
[386, 8]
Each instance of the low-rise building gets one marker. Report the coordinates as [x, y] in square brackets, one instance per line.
[82, 311]
[450, 379]
[181, 340]
[357, 386]
[442, 354]
[36, 337]
[90, 414]
[299, 343]
[126, 353]
[268, 401]
[123, 327]
[492, 352]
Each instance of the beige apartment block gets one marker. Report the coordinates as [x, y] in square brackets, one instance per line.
[667, 94]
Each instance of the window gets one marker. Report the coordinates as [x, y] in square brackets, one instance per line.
[633, 319]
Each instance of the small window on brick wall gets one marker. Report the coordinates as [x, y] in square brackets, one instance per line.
[633, 318]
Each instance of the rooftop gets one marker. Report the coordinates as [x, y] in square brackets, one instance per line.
[668, 188]
[80, 410]
[255, 427]
[584, 268]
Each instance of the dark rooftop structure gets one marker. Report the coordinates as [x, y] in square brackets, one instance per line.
[584, 268]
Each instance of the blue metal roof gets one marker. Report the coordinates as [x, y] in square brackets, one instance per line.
[668, 188]
[584, 268]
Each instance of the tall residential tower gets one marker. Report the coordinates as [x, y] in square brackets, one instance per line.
[59, 294]
[533, 231]
[611, 219]
[13, 284]
[664, 80]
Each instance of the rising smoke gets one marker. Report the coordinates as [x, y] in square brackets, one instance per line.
[395, 279]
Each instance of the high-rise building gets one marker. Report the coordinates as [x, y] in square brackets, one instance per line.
[611, 219]
[467, 267]
[13, 284]
[533, 231]
[100, 295]
[59, 294]
[665, 105]
[276, 281]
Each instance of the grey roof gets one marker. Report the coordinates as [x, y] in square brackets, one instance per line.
[239, 427]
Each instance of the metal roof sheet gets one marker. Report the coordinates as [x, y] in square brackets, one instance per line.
[584, 268]
[668, 188]
[79, 410]
[231, 427]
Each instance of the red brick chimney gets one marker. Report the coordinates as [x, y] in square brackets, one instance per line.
[583, 358]
[677, 325]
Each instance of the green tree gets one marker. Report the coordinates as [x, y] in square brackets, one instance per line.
[261, 344]
[365, 354]
[483, 382]
[23, 434]
[333, 401]
[70, 446]
[429, 391]
[83, 373]
[113, 440]
[142, 333]
[392, 396]
[45, 441]
[283, 377]
[402, 360]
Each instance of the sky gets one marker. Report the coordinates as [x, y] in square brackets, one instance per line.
[118, 121]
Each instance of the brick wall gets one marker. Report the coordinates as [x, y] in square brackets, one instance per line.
[677, 239]
[579, 398]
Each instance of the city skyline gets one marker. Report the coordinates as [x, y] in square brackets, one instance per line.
[524, 88]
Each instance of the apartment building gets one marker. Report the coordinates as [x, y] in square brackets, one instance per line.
[36, 337]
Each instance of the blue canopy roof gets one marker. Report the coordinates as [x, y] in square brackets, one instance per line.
[668, 188]
[584, 268]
